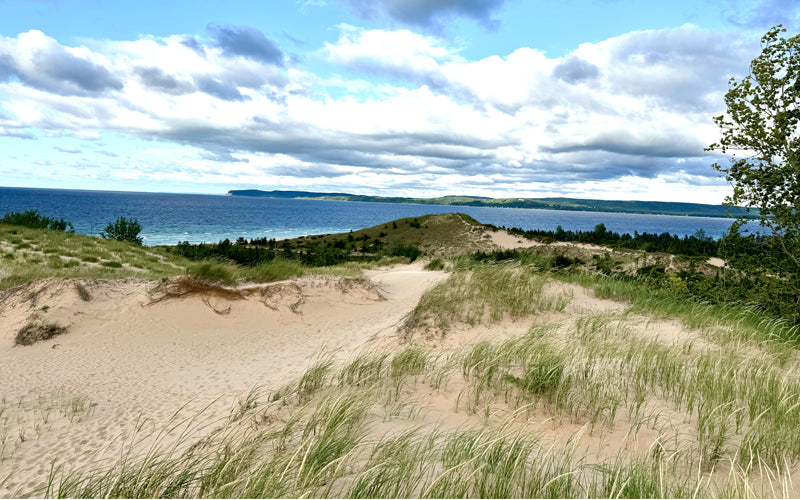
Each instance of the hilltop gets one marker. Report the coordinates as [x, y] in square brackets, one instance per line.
[435, 235]
[639, 207]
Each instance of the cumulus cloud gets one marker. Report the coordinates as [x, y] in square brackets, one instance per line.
[685, 67]
[160, 80]
[575, 70]
[633, 106]
[428, 13]
[194, 44]
[248, 42]
[220, 90]
[39, 61]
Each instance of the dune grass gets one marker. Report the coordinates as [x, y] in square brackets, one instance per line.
[723, 324]
[485, 294]
[33, 254]
[364, 428]
[43, 253]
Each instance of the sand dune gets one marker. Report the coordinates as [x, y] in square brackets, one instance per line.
[133, 353]
[141, 357]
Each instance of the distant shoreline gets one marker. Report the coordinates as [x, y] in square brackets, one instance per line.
[567, 204]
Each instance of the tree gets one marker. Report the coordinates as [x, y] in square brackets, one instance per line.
[32, 218]
[123, 230]
[760, 129]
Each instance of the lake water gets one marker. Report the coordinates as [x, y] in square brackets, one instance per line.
[167, 219]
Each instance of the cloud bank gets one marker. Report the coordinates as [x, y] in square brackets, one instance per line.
[403, 111]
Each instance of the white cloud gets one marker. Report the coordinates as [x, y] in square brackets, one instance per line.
[633, 110]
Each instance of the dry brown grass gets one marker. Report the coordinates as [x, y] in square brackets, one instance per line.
[36, 331]
[83, 293]
[186, 285]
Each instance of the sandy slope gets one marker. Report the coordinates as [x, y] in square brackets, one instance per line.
[128, 356]
[508, 241]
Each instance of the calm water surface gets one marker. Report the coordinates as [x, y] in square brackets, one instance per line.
[167, 219]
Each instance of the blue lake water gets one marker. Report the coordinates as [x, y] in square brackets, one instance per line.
[167, 219]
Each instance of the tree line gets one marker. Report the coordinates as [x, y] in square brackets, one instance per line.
[698, 244]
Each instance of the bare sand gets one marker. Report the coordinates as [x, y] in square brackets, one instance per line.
[507, 241]
[133, 358]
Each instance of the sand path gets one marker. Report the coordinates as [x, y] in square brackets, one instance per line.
[77, 397]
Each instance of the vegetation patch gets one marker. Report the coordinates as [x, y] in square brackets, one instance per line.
[80, 256]
[186, 285]
[483, 293]
[36, 331]
[83, 292]
[123, 230]
[33, 219]
[211, 272]
[698, 244]
[408, 239]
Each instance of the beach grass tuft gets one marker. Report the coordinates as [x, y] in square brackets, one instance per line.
[37, 331]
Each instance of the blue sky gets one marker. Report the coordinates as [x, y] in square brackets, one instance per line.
[603, 99]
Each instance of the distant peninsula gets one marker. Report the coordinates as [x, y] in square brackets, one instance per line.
[575, 204]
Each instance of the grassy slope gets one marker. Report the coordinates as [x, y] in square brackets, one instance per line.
[438, 234]
[30, 254]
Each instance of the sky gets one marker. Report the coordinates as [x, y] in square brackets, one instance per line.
[606, 99]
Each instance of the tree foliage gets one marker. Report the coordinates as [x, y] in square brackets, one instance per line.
[696, 245]
[123, 230]
[761, 125]
[760, 131]
[32, 218]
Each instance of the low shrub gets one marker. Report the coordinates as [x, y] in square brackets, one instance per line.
[410, 251]
[435, 265]
[34, 332]
[123, 230]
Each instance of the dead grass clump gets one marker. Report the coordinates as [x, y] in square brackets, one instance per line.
[34, 332]
[284, 294]
[360, 284]
[83, 293]
[183, 286]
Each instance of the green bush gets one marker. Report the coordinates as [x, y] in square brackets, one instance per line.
[435, 265]
[410, 251]
[123, 230]
[33, 219]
